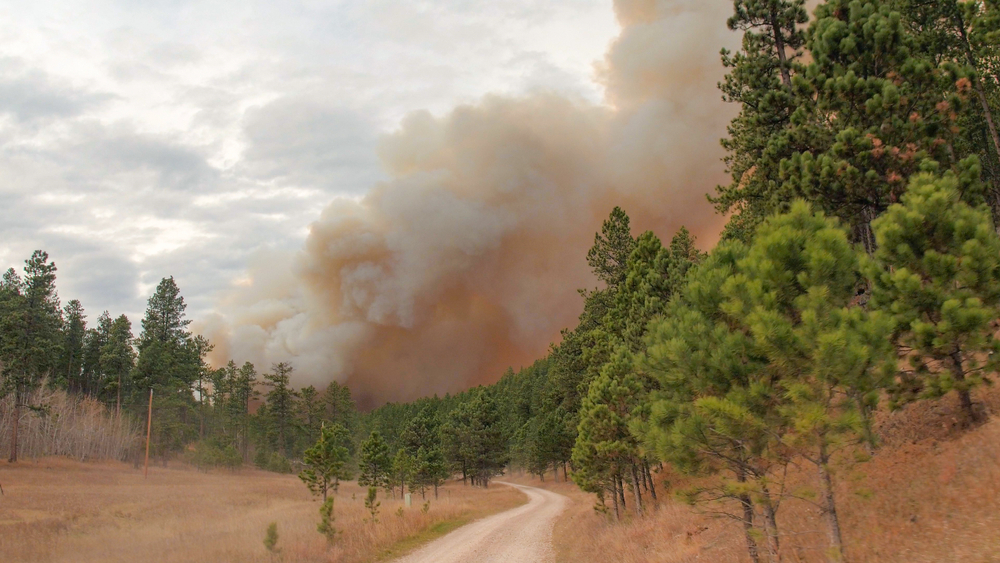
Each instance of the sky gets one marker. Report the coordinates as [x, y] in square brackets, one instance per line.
[140, 140]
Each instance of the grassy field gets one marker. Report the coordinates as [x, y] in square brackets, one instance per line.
[929, 495]
[56, 510]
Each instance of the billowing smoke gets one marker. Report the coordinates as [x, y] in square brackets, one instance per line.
[467, 260]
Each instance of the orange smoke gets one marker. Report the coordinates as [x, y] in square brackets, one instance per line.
[467, 260]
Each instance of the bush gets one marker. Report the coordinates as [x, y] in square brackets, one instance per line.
[208, 454]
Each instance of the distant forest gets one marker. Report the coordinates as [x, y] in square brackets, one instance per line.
[859, 270]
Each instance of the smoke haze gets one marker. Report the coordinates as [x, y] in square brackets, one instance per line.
[467, 259]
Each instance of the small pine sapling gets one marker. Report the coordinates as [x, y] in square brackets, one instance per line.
[326, 519]
[372, 504]
[426, 507]
[271, 538]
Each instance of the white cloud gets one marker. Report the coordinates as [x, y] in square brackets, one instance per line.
[146, 139]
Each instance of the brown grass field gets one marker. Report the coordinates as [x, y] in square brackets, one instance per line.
[931, 494]
[60, 510]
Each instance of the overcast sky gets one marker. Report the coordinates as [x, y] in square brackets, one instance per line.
[141, 139]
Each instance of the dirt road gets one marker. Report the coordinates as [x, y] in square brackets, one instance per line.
[523, 534]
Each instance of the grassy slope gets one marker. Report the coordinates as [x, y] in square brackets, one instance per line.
[60, 510]
[931, 494]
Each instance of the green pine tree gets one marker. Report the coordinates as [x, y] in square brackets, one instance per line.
[327, 461]
[30, 333]
[937, 271]
[376, 465]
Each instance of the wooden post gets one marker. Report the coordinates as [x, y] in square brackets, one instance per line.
[149, 427]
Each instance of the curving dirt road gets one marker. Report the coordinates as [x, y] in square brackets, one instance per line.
[518, 535]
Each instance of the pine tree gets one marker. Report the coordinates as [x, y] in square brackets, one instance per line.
[938, 273]
[31, 333]
[606, 452]
[714, 413]
[372, 504]
[760, 80]
[612, 247]
[170, 361]
[326, 519]
[487, 440]
[872, 109]
[118, 359]
[376, 465]
[74, 330]
[93, 377]
[327, 461]
[310, 412]
[244, 391]
[340, 407]
[402, 468]
[831, 359]
[280, 404]
[966, 33]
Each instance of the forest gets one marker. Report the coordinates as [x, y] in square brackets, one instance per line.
[858, 272]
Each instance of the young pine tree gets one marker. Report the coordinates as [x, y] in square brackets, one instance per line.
[376, 465]
[327, 461]
[937, 272]
[830, 359]
[714, 414]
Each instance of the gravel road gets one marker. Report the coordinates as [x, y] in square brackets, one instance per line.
[519, 535]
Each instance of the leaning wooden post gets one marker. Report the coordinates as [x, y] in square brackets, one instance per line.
[149, 427]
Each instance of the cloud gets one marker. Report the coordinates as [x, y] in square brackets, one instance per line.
[33, 95]
[304, 142]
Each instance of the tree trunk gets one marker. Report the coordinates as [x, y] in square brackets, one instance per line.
[621, 491]
[555, 473]
[779, 46]
[13, 426]
[836, 553]
[748, 515]
[771, 526]
[866, 424]
[614, 497]
[964, 397]
[435, 491]
[636, 491]
[652, 483]
[565, 478]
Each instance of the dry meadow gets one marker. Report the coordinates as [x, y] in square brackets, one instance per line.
[61, 510]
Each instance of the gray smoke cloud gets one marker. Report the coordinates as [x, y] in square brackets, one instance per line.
[466, 259]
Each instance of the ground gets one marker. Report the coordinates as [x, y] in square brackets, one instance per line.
[56, 510]
[518, 535]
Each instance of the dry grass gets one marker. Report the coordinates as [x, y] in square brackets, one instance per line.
[930, 494]
[57, 509]
[80, 427]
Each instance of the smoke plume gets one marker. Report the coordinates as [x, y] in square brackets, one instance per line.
[466, 261]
